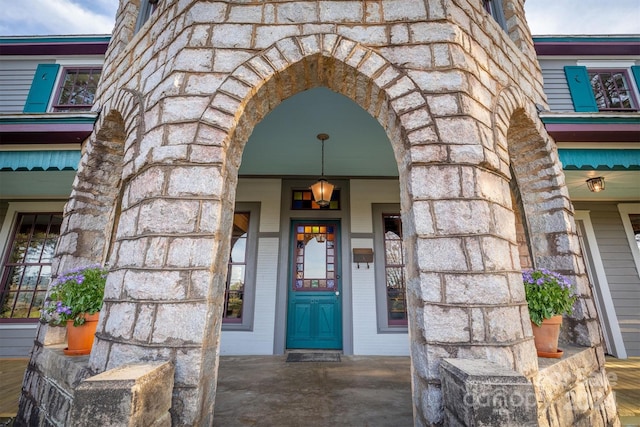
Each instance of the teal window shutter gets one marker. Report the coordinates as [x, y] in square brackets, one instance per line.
[580, 88]
[635, 70]
[41, 88]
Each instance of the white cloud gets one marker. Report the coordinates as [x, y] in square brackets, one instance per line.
[45, 17]
[549, 17]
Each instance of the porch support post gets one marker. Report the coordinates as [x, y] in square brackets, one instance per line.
[465, 292]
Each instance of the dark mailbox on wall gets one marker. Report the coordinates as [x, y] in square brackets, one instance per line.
[362, 255]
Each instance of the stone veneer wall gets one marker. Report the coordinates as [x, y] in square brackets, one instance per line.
[456, 95]
[575, 391]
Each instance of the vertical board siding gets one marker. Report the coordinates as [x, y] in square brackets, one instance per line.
[620, 270]
[15, 81]
[555, 84]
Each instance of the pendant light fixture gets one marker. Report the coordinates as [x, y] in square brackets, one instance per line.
[596, 184]
[322, 189]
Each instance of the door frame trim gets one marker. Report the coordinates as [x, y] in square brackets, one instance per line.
[286, 216]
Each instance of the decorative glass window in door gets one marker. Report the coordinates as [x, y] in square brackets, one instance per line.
[315, 258]
[394, 270]
[234, 292]
[27, 267]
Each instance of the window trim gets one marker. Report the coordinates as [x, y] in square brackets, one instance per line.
[8, 227]
[147, 8]
[377, 210]
[496, 12]
[58, 89]
[625, 210]
[248, 309]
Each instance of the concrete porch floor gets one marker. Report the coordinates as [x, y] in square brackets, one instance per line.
[358, 391]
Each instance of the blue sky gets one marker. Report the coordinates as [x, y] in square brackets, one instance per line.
[47, 17]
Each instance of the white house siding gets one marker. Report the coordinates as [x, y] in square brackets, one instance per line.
[367, 340]
[620, 269]
[16, 340]
[15, 81]
[555, 83]
[260, 339]
[267, 192]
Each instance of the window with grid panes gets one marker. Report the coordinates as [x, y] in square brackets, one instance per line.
[77, 89]
[494, 8]
[394, 270]
[236, 275]
[147, 7]
[27, 266]
[611, 90]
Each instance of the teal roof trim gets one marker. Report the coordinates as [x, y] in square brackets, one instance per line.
[635, 119]
[586, 39]
[43, 160]
[54, 39]
[90, 118]
[586, 159]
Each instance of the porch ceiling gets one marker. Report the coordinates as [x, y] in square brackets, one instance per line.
[284, 143]
[619, 185]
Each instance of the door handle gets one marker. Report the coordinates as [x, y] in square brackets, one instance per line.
[337, 293]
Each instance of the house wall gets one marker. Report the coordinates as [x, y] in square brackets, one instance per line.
[620, 269]
[259, 340]
[367, 340]
[16, 339]
[555, 83]
[456, 96]
[15, 81]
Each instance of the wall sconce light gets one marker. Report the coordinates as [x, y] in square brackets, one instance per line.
[596, 184]
[322, 189]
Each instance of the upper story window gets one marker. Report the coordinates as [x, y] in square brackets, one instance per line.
[77, 89]
[147, 7]
[494, 8]
[612, 90]
[70, 90]
[597, 88]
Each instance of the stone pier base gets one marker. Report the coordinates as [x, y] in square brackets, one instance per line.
[481, 393]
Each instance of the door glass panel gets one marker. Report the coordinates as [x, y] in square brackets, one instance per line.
[315, 260]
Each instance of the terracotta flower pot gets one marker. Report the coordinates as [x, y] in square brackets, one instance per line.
[80, 338]
[546, 337]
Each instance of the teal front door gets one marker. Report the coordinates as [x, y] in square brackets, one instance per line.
[314, 316]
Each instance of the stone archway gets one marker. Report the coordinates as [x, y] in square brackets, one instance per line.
[553, 239]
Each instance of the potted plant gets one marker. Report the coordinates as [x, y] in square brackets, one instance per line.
[549, 296]
[75, 299]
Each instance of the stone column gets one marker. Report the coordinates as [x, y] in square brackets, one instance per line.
[466, 295]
